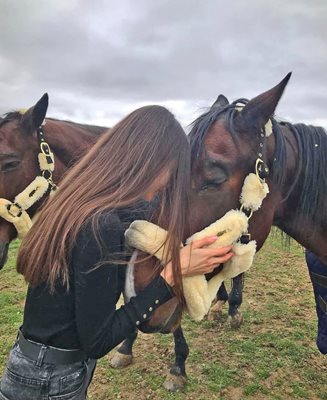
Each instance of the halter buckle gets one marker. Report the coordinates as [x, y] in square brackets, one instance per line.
[45, 148]
[18, 209]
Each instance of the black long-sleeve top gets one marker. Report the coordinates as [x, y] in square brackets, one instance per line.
[85, 317]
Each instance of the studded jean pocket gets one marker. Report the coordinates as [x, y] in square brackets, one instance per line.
[72, 381]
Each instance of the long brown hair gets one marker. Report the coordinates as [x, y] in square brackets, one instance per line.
[115, 173]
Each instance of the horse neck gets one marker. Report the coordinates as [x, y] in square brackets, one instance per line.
[290, 215]
[69, 141]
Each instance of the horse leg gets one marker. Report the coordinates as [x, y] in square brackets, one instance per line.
[217, 308]
[176, 378]
[235, 317]
[124, 355]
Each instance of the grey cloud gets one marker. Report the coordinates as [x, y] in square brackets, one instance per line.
[100, 59]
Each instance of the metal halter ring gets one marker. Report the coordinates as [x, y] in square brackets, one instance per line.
[247, 212]
[261, 169]
[47, 174]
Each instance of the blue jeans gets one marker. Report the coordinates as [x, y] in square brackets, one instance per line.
[26, 379]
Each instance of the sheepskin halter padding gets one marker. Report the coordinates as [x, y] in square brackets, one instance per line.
[198, 292]
[253, 192]
[15, 212]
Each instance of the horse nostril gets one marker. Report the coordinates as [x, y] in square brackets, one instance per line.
[3, 253]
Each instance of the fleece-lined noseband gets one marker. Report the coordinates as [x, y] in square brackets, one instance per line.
[15, 212]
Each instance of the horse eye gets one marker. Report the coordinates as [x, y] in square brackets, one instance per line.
[213, 184]
[209, 186]
[9, 166]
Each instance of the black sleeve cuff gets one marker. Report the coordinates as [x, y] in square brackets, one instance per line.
[141, 307]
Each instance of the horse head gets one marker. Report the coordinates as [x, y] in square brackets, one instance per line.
[33, 159]
[18, 160]
[226, 143]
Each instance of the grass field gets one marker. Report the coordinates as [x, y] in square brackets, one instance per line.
[272, 356]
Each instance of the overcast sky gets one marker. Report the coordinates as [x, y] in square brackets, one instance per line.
[99, 59]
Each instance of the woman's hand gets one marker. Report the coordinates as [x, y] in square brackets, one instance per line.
[196, 260]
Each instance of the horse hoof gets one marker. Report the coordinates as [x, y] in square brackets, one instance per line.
[215, 313]
[214, 316]
[236, 320]
[174, 383]
[120, 360]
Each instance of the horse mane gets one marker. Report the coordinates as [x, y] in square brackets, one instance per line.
[10, 116]
[96, 129]
[312, 167]
[17, 115]
[312, 156]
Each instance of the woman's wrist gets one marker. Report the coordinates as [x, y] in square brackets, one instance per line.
[167, 274]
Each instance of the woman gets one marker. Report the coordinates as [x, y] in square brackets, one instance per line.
[72, 256]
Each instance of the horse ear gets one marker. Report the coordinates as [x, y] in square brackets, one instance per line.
[221, 101]
[257, 111]
[35, 115]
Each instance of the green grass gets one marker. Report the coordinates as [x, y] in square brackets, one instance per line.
[272, 356]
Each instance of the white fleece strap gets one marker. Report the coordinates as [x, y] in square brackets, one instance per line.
[15, 212]
[147, 237]
[199, 293]
[228, 229]
[254, 190]
[18, 215]
[20, 219]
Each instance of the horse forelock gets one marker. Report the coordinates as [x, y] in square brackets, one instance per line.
[202, 125]
[10, 116]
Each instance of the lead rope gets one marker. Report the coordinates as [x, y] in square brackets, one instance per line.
[15, 212]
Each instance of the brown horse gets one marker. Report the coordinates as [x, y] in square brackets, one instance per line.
[226, 142]
[19, 148]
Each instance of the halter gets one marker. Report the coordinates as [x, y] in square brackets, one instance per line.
[15, 212]
[255, 188]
